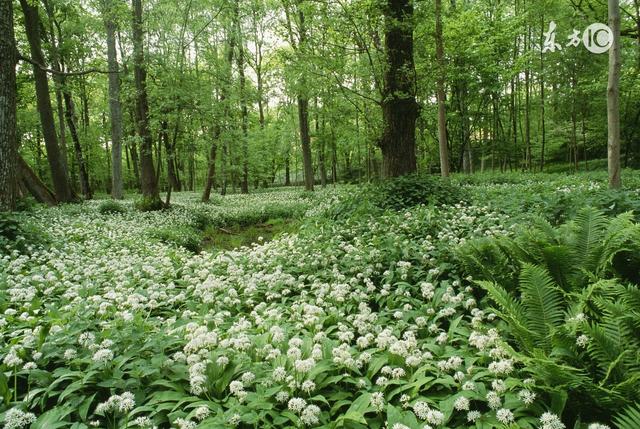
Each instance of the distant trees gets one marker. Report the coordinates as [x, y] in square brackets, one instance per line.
[230, 95]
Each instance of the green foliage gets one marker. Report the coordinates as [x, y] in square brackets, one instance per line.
[18, 234]
[398, 194]
[111, 207]
[183, 236]
[573, 328]
[629, 418]
[148, 204]
[413, 190]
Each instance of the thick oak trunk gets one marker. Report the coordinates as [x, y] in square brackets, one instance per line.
[8, 142]
[399, 107]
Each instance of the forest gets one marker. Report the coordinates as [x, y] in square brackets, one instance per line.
[385, 214]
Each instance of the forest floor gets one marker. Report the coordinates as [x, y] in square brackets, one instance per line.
[348, 307]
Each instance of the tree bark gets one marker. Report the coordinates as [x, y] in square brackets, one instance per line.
[34, 185]
[442, 115]
[73, 129]
[613, 94]
[148, 180]
[542, 101]
[399, 107]
[63, 190]
[211, 170]
[115, 108]
[244, 186]
[8, 140]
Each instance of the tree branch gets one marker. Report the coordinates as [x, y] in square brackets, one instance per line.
[61, 73]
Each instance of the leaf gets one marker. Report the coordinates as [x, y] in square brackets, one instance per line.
[53, 418]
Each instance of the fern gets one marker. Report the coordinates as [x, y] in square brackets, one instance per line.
[512, 311]
[543, 302]
[629, 418]
[590, 230]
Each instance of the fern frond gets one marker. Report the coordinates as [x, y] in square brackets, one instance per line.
[629, 418]
[620, 235]
[590, 225]
[543, 302]
[512, 312]
[604, 350]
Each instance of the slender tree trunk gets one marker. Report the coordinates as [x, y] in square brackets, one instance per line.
[168, 147]
[334, 158]
[399, 106]
[211, 169]
[56, 64]
[613, 103]
[303, 117]
[244, 187]
[64, 193]
[80, 161]
[115, 108]
[8, 140]
[527, 105]
[147, 171]
[287, 170]
[305, 138]
[542, 101]
[442, 115]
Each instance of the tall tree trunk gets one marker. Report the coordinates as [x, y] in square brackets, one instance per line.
[287, 170]
[73, 129]
[305, 139]
[147, 171]
[115, 108]
[399, 107]
[613, 93]
[442, 115]
[303, 115]
[542, 100]
[211, 169]
[527, 104]
[169, 149]
[57, 65]
[8, 141]
[63, 190]
[244, 187]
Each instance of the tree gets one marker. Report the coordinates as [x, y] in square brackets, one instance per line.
[59, 176]
[114, 100]
[148, 177]
[8, 144]
[442, 115]
[613, 93]
[299, 45]
[399, 107]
